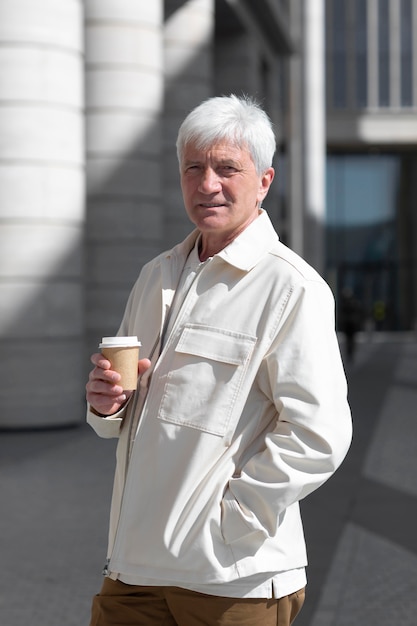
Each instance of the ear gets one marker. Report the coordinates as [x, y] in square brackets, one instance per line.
[265, 183]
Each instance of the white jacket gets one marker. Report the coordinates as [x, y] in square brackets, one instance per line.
[243, 414]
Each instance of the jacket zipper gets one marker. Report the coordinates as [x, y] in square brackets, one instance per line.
[133, 421]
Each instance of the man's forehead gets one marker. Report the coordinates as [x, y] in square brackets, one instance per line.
[222, 149]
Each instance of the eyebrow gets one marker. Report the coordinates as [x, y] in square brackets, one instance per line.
[225, 161]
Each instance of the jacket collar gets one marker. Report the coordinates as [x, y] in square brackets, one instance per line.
[252, 244]
[245, 251]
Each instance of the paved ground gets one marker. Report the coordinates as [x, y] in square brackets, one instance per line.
[361, 526]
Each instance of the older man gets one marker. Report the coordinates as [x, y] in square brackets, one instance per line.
[241, 406]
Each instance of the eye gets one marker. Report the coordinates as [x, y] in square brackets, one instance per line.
[192, 168]
[227, 170]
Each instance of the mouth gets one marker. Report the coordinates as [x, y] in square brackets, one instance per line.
[211, 205]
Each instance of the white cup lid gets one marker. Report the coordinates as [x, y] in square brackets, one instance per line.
[119, 342]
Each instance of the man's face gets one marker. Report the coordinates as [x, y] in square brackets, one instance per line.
[221, 189]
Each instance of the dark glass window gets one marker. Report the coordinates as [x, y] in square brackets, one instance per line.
[406, 54]
[361, 200]
[383, 53]
[339, 78]
[361, 53]
[371, 228]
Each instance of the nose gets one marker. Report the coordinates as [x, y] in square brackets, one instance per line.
[210, 181]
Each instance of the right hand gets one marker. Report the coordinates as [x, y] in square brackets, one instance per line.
[104, 395]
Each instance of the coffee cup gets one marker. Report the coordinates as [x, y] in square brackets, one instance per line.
[123, 354]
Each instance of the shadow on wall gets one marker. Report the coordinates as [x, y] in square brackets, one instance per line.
[135, 207]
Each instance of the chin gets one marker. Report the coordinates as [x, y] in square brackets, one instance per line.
[210, 223]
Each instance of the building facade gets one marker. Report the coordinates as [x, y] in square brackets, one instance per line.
[91, 97]
[371, 96]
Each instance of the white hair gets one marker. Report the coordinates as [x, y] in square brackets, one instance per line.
[238, 120]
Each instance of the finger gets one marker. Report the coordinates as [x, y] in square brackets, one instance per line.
[143, 365]
[106, 408]
[103, 387]
[99, 361]
[110, 377]
[102, 395]
[107, 405]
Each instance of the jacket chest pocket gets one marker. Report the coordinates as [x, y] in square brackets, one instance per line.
[206, 378]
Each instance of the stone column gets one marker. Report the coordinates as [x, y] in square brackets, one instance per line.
[124, 93]
[41, 212]
[295, 147]
[189, 31]
[238, 65]
[314, 133]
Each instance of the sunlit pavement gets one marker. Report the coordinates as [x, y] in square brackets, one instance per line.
[55, 489]
[361, 526]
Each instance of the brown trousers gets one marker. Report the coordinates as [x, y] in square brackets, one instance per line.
[119, 604]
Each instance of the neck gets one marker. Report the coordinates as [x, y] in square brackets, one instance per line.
[212, 243]
[209, 247]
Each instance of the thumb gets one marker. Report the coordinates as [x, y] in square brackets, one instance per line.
[143, 365]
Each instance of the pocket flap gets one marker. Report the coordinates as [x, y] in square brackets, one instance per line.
[216, 344]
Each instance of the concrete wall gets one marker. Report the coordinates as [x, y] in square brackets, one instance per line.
[41, 212]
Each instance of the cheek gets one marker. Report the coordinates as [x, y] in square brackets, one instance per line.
[186, 192]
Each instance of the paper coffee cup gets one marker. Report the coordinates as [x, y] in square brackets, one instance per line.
[123, 354]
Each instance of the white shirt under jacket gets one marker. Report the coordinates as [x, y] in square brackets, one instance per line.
[243, 413]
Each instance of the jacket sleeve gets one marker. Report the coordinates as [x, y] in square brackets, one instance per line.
[303, 375]
[105, 427]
